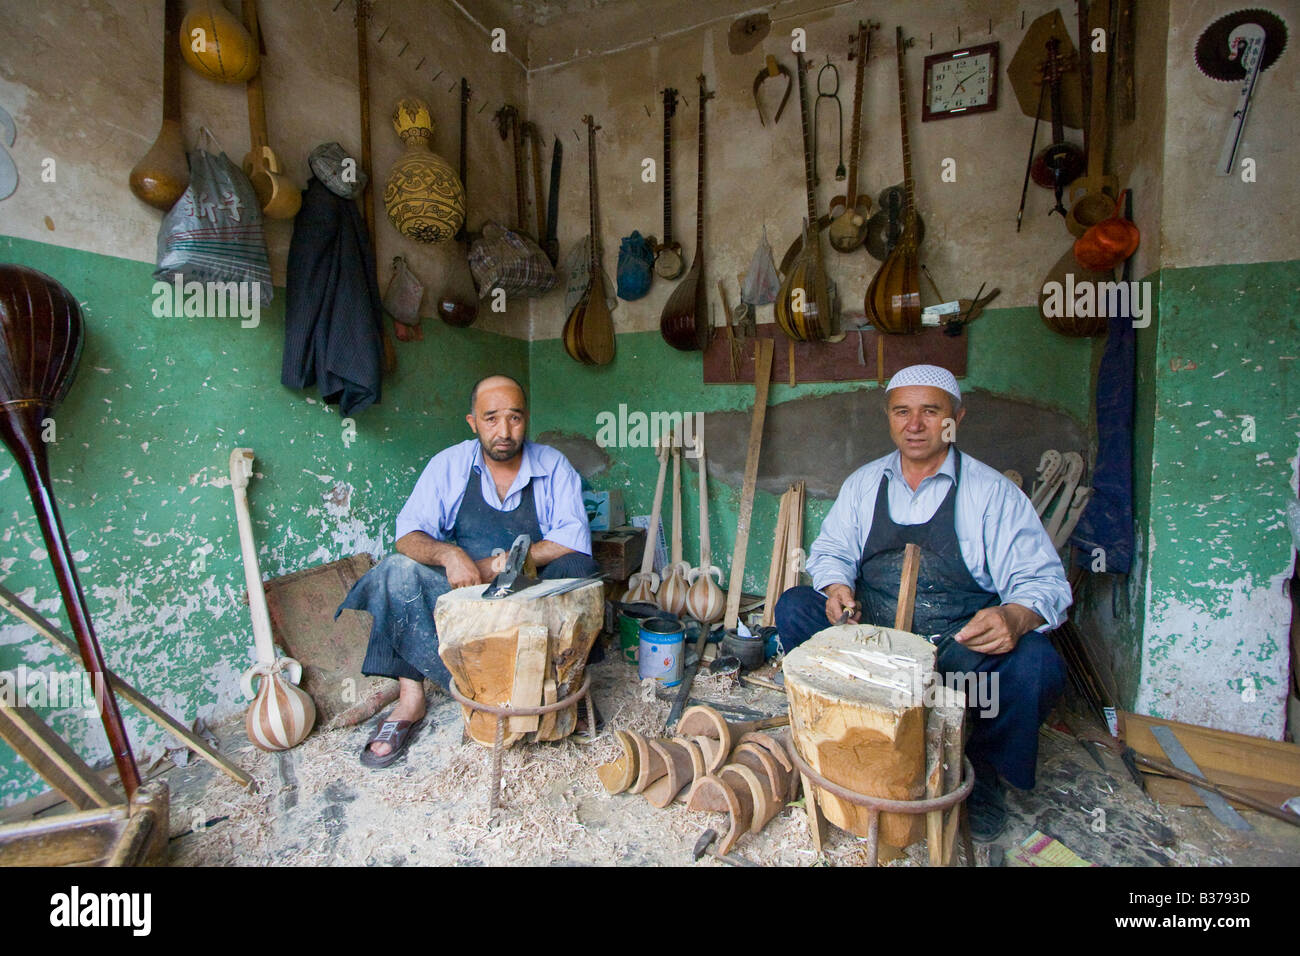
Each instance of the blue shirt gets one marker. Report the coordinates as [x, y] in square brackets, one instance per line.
[557, 494]
[1002, 539]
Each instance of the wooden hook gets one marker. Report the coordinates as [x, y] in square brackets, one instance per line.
[403, 49]
[772, 69]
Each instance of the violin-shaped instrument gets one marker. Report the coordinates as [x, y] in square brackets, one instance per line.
[684, 322]
[1061, 162]
[279, 197]
[849, 212]
[589, 331]
[641, 587]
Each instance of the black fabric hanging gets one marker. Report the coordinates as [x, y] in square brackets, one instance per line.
[332, 304]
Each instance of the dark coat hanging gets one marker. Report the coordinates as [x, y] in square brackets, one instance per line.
[332, 306]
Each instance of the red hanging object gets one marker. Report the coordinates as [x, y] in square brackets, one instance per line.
[1107, 243]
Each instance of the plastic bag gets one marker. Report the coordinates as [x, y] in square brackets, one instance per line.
[507, 260]
[214, 231]
[404, 293]
[635, 267]
[762, 282]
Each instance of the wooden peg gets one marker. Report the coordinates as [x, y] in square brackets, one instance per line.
[771, 65]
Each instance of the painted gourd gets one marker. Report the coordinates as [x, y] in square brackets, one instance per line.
[216, 45]
[423, 195]
[282, 714]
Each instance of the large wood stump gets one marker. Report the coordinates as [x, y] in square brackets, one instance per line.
[863, 735]
[479, 641]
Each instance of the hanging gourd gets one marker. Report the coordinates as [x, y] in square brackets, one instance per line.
[216, 45]
[424, 196]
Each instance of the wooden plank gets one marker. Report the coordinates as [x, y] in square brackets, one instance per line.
[530, 675]
[34, 619]
[1219, 753]
[762, 382]
[840, 361]
[1168, 790]
[56, 762]
[907, 588]
[776, 568]
[82, 838]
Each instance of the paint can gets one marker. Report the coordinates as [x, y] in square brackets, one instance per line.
[630, 618]
[661, 651]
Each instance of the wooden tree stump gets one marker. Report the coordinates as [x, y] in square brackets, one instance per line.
[860, 734]
[478, 640]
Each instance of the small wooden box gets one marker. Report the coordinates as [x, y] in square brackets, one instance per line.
[618, 552]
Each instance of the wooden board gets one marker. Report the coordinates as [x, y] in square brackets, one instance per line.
[530, 674]
[57, 763]
[1224, 757]
[1177, 793]
[838, 361]
[301, 606]
[478, 641]
[867, 738]
[763, 381]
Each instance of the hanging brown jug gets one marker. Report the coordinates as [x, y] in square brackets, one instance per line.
[424, 196]
[216, 45]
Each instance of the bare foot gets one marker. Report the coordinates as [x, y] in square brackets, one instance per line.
[410, 706]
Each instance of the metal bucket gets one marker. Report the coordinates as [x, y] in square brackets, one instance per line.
[662, 645]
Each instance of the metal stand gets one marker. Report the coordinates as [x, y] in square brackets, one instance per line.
[878, 805]
[502, 712]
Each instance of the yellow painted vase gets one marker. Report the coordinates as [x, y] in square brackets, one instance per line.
[424, 196]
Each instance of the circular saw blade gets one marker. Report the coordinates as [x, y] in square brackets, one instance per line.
[1213, 50]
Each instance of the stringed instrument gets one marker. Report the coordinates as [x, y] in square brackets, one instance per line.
[163, 173]
[1092, 195]
[668, 254]
[279, 197]
[672, 592]
[705, 601]
[642, 585]
[803, 306]
[893, 300]
[684, 322]
[849, 212]
[534, 136]
[1061, 162]
[589, 331]
[461, 311]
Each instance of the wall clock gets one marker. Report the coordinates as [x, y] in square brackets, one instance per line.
[961, 82]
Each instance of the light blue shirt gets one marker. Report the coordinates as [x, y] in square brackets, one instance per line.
[1002, 539]
[557, 494]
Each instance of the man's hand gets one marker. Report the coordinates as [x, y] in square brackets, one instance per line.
[838, 598]
[492, 565]
[461, 571]
[996, 630]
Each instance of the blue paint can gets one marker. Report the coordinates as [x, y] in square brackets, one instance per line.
[662, 644]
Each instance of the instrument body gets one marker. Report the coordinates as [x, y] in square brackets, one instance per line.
[672, 592]
[803, 306]
[684, 322]
[589, 331]
[705, 601]
[668, 254]
[1092, 195]
[893, 300]
[848, 228]
[217, 45]
[161, 175]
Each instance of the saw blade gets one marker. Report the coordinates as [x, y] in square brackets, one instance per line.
[1214, 52]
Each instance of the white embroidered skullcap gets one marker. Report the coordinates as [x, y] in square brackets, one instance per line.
[931, 375]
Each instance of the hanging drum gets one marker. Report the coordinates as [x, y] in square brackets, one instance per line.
[424, 196]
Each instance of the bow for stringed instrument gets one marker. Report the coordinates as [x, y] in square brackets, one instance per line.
[684, 322]
[803, 306]
[893, 301]
[589, 331]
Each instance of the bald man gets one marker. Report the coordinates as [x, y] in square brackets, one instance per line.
[990, 584]
[472, 498]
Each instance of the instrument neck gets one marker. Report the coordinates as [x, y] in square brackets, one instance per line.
[863, 46]
[591, 178]
[172, 61]
[907, 148]
[807, 148]
[699, 178]
[668, 177]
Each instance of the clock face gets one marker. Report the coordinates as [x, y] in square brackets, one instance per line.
[963, 81]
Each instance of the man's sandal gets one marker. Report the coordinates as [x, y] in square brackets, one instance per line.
[397, 734]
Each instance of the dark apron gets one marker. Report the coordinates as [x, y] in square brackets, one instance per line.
[947, 596]
[480, 529]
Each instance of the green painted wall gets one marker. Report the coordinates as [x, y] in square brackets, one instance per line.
[1011, 353]
[1216, 618]
[141, 472]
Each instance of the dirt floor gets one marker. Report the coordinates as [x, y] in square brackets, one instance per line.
[316, 805]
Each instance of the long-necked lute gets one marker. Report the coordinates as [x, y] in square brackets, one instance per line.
[803, 306]
[684, 322]
[668, 254]
[589, 331]
[893, 301]
[848, 227]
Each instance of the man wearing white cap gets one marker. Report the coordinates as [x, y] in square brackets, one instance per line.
[990, 581]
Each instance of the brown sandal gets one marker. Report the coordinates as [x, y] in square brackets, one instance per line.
[397, 734]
